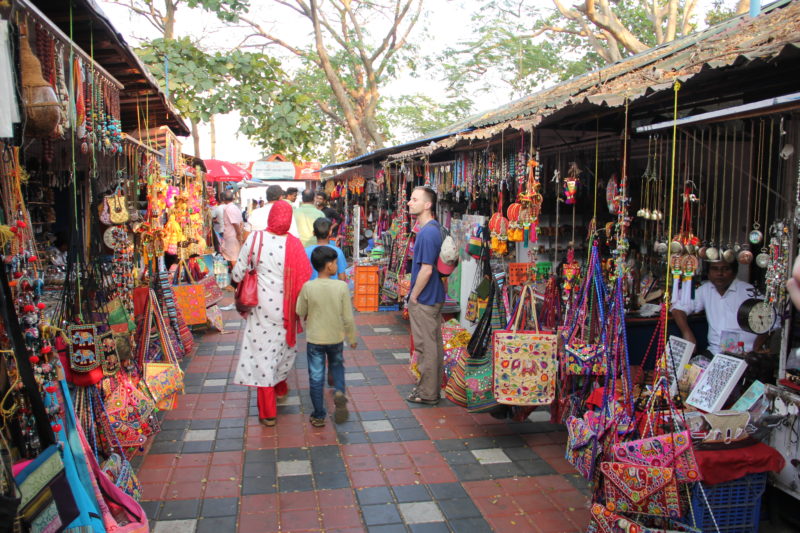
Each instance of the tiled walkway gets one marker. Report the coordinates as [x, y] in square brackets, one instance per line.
[393, 467]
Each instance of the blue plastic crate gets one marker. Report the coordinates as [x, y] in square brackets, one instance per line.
[393, 307]
[736, 505]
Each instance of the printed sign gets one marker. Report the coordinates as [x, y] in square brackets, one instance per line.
[716, 383]
[678, 351]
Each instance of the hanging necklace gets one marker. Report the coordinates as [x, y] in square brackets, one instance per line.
[764, 257]
[755, 235]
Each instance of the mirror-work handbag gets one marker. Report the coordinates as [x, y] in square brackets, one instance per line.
[648, 490]
[583, 359]
[47, 502]
[670, 450]
[525, 363]
[117, 209]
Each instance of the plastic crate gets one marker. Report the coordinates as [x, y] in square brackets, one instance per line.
[735, 505]
[365, 302]
[366, 275]
[393, 307]
[366, 289]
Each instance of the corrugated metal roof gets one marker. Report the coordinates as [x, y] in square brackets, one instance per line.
[734, 42]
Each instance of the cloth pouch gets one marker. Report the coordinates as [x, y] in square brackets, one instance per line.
[47, 503]
[648, 490]
[670, 450]
[583, 359]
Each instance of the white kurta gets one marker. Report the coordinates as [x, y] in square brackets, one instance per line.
[265, 359]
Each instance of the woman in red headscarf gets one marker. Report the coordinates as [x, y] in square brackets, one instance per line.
[268, 348]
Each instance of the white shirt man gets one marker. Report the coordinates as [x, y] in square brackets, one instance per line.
[721, 311]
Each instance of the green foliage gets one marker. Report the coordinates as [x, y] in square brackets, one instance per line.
[719, 12]
[420, 115]
[227, 10]
[201, 84]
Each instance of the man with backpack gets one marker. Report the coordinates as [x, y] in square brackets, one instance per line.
[427, 295]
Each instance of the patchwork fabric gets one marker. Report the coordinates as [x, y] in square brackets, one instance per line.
[128, 411]
[583, 359]
[163, 380]
[581, 446]
[525, 367]
[646, 490]
[670, 450]
[83, 356]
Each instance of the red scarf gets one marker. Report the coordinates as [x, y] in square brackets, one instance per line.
[296, 268]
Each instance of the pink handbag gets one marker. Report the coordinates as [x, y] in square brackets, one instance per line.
[670, 450]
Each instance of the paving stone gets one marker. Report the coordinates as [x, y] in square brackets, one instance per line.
[151, 509]
[373, 495]
[166, 447]
[431, 527]
[294, 468]
[411, 493]
[353, 376]
[391, 528]
[383, 436]
[402, 356]
[230, 433]
[259, 456]
[420, 512]
[200, 435]
[216, 524]
[471, 525]
[473, 472]
[197, 446]
[292, 454]
[180, 509]
[372, 415]
[214, 507]
[296, 483]
[259, 485]
[175, 526]
[353, 438]
[460, 457]
[446, 491]
[412, 434]
[266, 469]
[404, 423]
[215, 382]
[535, 468]
[373, 426]
[449, 445]
[459, 508]
[375, 515]
[169, 435]
[228, 445]
[331, 480]
[491, 456]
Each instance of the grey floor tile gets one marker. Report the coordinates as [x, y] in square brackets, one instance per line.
[259, 485]
[167, 435]
[203, 424]
[292, 454]
[504, 470]
[535, 468]
[353, 438]
[396, 414]
[412, 434]
[480, 443]
[232, 422]
[200, 446]
[450, 445]
[471, 525]
[151, 509]
[373, 495]
[475, 472]
[179, 510]
[461, 457]
[332, 480]
[327, 465]
[230, 433]
[405, 423]
[372, 415]
[214, 507]
[411, 493]
[166, 447]
[383, 436]
[516, 454]
[216, 525]
[459, 508]
[295, 483]
[228, 445]
[376, 515]
[445, 491]
[391, 528]
[259, 456]
[435, 527]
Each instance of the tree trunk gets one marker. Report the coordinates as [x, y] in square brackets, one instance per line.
[196, 138]
[213, 125]
[169, 18]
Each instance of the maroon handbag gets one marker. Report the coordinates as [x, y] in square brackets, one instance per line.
[246, 296]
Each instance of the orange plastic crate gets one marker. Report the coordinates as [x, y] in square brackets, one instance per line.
[365, 302]
[366, 275]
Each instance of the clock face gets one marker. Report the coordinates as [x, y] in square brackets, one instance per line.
[761, 318]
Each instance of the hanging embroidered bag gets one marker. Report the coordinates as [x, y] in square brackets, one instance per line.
[246, 296]
[190, 298]
[581, 446]
[648, 490]
[84, 356]
[128, 411]
[585, 359]
[525, 362]
[117, 209]
[670, 450]
[47, 503]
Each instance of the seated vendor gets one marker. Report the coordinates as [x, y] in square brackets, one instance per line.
[720, 297]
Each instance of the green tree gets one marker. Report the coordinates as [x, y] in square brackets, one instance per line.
[525, 44]
[203, 84]
[419, 114]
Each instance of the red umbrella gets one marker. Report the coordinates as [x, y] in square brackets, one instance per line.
[217, 170]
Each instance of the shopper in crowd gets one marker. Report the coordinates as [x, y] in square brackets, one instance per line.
[268, 348]
[426, 298]
[331, 213]
[259, 217]
[291, 195]
[218, 224]
[720, 297]
[793, 285]
[232, 228]
[322, 232]
[305, 215]
[324, 304]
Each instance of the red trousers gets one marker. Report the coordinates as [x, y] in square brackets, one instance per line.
[267, 399]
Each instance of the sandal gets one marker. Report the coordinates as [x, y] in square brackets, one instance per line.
[268, 422]
[317, 422]
[415, 398]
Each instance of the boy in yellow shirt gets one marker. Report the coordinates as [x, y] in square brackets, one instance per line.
[324, 304]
